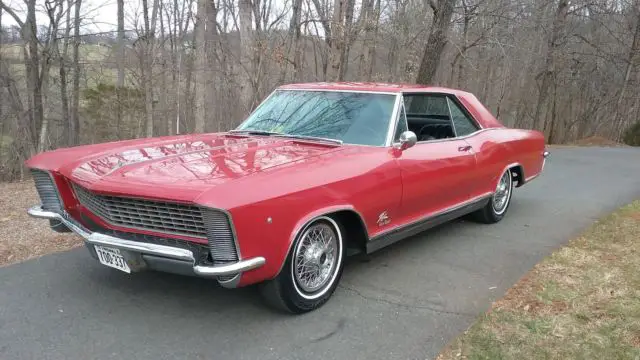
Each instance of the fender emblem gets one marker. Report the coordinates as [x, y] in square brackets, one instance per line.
[383, 219]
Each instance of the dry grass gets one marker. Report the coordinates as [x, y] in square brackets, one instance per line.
[22, 237]
[582, 302]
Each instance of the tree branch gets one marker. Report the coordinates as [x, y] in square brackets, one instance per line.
[12, 13]
[434, 5]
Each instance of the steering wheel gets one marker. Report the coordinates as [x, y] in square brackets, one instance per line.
[421, 136]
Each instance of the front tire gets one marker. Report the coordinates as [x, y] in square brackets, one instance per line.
[312, 269]
[497, 206]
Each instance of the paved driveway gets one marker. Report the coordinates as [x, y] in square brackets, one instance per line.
[404, 302]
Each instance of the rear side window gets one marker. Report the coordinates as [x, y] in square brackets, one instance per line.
[461, 122]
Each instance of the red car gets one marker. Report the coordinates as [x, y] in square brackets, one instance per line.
[317, 172]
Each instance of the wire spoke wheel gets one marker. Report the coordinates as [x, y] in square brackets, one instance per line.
[316, 258]
[313, 268]
[502, 193]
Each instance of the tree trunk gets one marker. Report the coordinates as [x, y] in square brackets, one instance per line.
[372, 17]
[548, 74]
[346, 42]
[247, 44]
[292, 41]
[33, 69]
[327, 28]
[442, 13]
[465, 44]
[120, 59]
[190, 101]
[294, 27]
[147, 61]
[212, 73]
[74, 120]
[337, 40]
[62, 58]
[632, 58]
[200, 107]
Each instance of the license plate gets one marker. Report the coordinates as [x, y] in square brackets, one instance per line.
[111, 257]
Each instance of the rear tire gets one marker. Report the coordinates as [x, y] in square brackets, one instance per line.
[497, 206]
[312, 270]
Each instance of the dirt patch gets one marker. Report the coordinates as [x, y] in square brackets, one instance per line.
[635, 216]
[609, 257]
[21, 236]
[598, 141]
[520, 295]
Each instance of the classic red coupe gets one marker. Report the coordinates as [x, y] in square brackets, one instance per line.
[317, 172]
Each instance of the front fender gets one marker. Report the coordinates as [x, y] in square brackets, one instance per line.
[273, 232]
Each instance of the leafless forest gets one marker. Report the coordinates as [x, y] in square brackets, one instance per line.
[569, 68]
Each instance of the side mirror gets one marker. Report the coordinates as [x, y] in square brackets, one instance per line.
[407, 140]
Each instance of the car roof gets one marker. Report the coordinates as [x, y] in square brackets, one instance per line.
[372, 87]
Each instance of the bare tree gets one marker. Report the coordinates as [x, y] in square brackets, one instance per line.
[147, 60]
[247, 49]
[547, 75]
[200, 110]
[442, 13]
[74, 118]
[371, 17]
[631, 83]
[120, 59]
[337, 39]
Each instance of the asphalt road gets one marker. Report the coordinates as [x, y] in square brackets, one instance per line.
[404, 302]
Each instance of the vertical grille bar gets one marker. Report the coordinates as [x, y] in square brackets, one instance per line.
[47, 190]
[221, 239]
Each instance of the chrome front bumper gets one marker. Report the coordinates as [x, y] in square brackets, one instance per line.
[174, 253]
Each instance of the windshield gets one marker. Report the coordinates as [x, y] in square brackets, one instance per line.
[351, 117]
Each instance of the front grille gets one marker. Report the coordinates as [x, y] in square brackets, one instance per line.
[47, 191]
[221, 243]
[167, 218]
[158, 216]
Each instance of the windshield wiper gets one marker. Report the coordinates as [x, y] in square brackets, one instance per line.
[254, 132]
[276, 134]
[306, 137]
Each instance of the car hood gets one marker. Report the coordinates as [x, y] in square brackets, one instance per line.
[183, 168]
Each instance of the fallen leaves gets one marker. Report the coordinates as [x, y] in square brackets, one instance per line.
[23, 237]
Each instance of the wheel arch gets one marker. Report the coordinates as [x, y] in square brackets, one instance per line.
[356, 234]
[514, 167]
[517, 173]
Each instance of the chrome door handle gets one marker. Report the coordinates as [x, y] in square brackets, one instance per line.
[464, 148]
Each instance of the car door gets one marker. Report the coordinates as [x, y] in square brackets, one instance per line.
[488, 152]
[435, 175]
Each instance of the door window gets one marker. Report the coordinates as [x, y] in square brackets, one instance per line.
[428, 116]
[462, 124]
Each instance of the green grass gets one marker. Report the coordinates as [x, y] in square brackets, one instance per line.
[581, 302]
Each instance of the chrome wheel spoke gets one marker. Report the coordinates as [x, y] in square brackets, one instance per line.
[501, 195]
[314, 260]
